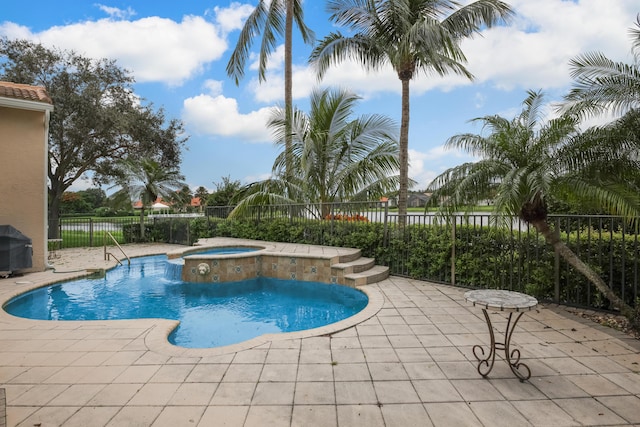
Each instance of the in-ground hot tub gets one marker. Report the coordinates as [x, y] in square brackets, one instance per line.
[235, 261]
[218, 264]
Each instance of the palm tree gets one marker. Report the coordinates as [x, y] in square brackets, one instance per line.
[524, 163]
[334, 157]
[411, 36]
[146, 180]
[268, 17]
[604, 85]
[181, 199]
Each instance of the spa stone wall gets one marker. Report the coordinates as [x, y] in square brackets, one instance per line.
[235, 268]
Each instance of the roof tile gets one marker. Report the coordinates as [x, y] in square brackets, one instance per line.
[25, 92]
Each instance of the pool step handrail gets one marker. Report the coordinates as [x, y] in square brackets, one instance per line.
[107, 255]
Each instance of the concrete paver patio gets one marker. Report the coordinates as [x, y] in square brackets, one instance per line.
[410, 364]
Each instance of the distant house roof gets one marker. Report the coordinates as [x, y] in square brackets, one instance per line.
[196, 202]
[157, 204]
[24, 96]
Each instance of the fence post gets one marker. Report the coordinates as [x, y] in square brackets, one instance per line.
[556, 269]
[453, 251]
[90, 232]
[385, 239]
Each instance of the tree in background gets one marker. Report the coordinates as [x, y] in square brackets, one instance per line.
[225, 193]
[145, 180]
[97, 121]
[272, 18]
[411, 36]
[525, 162]
[84, 201]
[96, 197]
[72, 203]
[181, 199]
[202, 193]
[335, 157]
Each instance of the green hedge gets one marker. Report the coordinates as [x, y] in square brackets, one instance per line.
[484, 257]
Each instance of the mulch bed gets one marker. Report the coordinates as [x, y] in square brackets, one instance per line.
[617, 322]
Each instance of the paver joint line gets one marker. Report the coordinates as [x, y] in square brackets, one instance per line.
[410, 363]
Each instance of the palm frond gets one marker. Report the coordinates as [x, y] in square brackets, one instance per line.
[239, 56]
[334, 156]
[336, 48]
[308, 36]
[601, 84]
[476, 16]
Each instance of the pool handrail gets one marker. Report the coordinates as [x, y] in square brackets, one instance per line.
[109, 254]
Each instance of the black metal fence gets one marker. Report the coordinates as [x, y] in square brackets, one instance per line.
[90, 232]
[483, 252]
[465, 250]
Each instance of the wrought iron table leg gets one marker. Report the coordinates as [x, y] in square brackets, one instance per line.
[512, 357]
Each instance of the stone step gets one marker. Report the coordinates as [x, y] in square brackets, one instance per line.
[373, 275]
[350, 256]
[356, 266]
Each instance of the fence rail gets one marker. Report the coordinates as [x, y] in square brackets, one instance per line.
[472, 250]
[521, 258]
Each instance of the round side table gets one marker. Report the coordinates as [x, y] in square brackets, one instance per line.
[509, 301]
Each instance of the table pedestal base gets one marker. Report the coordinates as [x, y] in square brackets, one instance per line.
[512, 357]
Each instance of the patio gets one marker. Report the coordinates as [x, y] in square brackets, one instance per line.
[410, 364]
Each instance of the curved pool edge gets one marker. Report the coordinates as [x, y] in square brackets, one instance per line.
[35, 280]
[195, 251]
[157, 339]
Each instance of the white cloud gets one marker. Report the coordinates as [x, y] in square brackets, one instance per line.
[275, 61]
[154, 49]
[272, 89]
[220, 116]
[424, 166]
[117, 13]
[232, 18]
[14, 31]
[533, 52]
[479, 100]
[213, 86]
[255, 178]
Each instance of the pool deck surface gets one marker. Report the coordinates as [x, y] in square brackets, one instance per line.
[409, 362]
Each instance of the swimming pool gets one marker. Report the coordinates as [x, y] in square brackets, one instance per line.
[210, 314]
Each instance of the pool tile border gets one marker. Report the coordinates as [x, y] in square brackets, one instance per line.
[156, 339]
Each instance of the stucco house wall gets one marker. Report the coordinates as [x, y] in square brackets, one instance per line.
[24, 131]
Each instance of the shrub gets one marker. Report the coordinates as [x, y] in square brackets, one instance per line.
[485, 257]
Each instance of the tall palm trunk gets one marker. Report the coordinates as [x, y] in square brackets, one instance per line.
[404, 154]
[288, 84]
[572, 259]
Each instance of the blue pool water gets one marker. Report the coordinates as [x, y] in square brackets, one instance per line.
[210, 314]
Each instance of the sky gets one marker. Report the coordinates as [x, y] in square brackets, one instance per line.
[177, 51]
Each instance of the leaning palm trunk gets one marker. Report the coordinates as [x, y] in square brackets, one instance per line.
[572, 259]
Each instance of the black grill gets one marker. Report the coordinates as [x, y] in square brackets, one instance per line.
[16, 250]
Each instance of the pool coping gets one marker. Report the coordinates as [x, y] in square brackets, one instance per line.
[157, 337]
